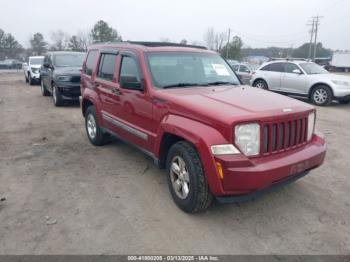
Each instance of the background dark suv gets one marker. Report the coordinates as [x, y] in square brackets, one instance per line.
[60, 76]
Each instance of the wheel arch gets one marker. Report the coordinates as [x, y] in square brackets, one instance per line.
[259, 79]
[319, 84]
[174, 128]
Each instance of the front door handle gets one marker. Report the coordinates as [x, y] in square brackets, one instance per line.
[116, 91]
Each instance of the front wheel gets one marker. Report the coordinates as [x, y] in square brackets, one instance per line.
[94, 132]
[43, 89]
[186, 178]
[321, 95]
[57, 96]
[261, 84]
[30, 80]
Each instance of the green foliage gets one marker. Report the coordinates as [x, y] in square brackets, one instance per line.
[300, 52]
[9, 47]
[102, 32]
[76, 44]
[37, 44]
[232, 50]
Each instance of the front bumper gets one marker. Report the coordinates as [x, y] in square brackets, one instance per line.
[69, 91]
[341, 92]
[246, 176]
[35, 76]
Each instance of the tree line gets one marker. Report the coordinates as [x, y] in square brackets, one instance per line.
[233, 48]
[60, 41]
[229, 47]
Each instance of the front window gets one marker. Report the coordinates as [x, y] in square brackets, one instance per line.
[313, 69]
[73, 59]
[183, 69]
[36, 61]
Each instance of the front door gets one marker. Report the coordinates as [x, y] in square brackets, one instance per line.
[293, 80]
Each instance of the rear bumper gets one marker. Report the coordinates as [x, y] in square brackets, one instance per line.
[246, 176]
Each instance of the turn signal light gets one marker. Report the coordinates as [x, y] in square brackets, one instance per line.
[221, 172]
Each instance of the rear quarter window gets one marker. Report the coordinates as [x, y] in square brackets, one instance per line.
[90, 62]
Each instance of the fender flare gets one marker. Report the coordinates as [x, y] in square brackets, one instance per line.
[92, 97]
[202, 136]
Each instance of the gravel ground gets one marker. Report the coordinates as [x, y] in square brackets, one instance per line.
[65, 196]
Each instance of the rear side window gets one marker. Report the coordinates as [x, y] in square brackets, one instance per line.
[275, 67]
[107, 66]
[243, 68]
[90, 62]
[235, 67]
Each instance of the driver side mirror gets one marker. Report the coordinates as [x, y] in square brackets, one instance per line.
[47, 65]
[131, 82]
[297, 71]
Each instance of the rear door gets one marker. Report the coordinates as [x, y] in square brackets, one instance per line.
[272, 75]
[292, 82]
[133, 117]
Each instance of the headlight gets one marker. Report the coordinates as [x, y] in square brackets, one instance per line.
[310, 125]
[63, 78]
[227, 149]
[247, 138]
[341, 83]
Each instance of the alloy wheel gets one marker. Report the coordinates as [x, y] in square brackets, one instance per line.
[260, 85]
[179, 176]
[91, 126]
[320, 96]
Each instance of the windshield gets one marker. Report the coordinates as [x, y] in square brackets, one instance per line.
[313, 69]
[73, 59]
[183, 69]
[36, 61]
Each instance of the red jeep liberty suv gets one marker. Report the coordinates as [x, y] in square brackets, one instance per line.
[184, 106]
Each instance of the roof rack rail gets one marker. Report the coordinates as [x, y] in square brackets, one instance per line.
[158, 44]
[288, 59]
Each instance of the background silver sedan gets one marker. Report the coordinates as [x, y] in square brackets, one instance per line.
[303, 78]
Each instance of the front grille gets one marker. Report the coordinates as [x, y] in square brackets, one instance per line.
[283, 135]
[75, 79]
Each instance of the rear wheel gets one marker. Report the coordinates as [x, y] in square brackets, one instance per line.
[94, 132]
[261, 84]
[186, 178]
[321, 95]
[43, 89]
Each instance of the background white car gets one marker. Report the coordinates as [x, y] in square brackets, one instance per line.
[303, 78]
[32, 69]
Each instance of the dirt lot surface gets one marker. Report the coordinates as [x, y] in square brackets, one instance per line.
[66, 196]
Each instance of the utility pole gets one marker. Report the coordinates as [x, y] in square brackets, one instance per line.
[228, 41]
[312, 35]
[316, 30]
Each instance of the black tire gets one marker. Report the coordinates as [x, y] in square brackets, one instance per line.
[43, 89]
[57, 98]
[101, 138]
[199, 196]
[261, 84]
[321, 95]
[344, 101]
[30, 80]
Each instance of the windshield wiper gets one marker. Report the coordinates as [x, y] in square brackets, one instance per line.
[183, 85]
[217, 83]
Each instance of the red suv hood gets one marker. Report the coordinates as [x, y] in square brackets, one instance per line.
[227, 104]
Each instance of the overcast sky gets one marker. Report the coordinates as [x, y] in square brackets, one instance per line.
[259, 23]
